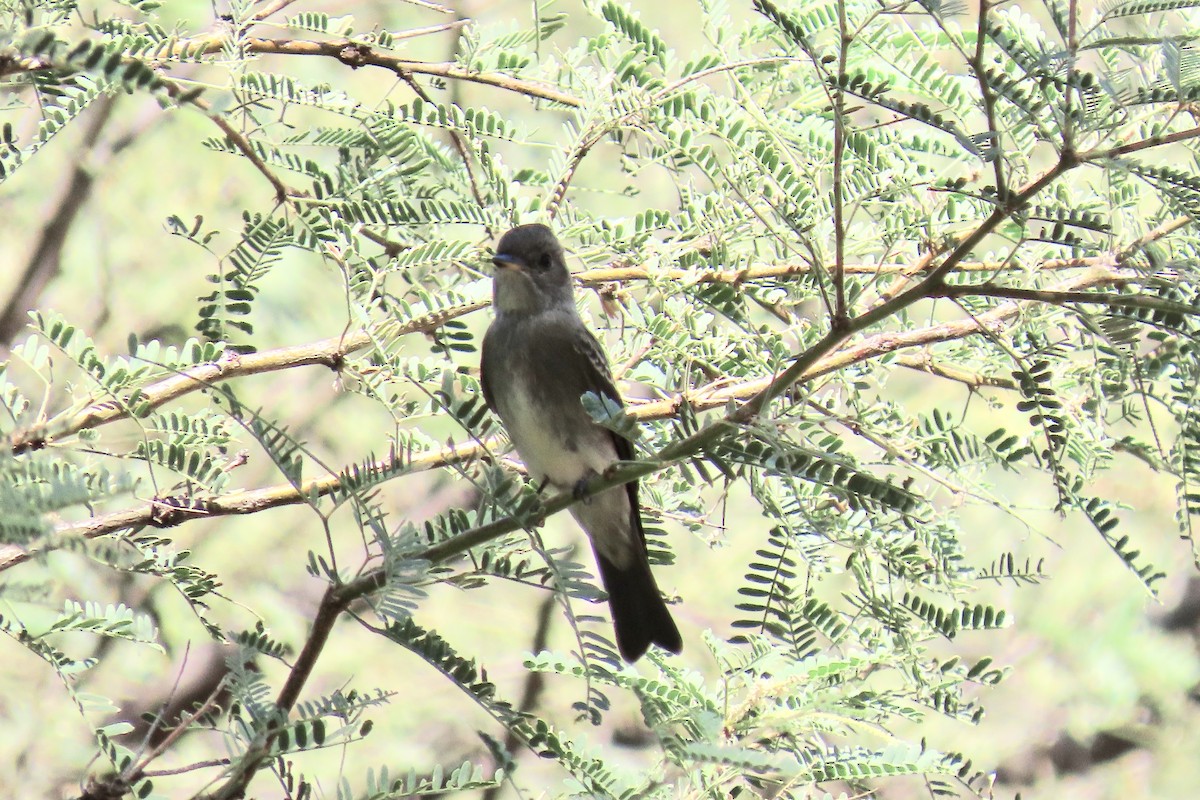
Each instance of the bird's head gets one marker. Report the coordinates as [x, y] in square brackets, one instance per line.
[531, 272]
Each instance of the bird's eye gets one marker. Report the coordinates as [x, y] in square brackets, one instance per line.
[544, 261]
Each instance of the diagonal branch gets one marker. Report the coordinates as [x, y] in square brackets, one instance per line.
[173, 511]
[459, 141]
[283, 192]
[273, 7]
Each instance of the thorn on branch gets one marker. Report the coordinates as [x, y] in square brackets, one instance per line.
[354, 55]
[21, 444]
[167, 512]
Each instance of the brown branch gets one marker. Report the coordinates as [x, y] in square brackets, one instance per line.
[534, 685]
[613, 274]
[178, 93]
[1168, 227]
[327, 352]
[907, 274]
[988, 98]
[1102, 154]
[921, 362]
[360, 54]
[212, 702]
[114, 785]
[840, 314]
[200, 678]
[274, 7]
[456, 138]
[181, 95]
[390, 247]
[964, 245]
[335, 601]
[332, 605]
[171, 511]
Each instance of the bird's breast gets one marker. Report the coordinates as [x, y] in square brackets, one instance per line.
[556, 440]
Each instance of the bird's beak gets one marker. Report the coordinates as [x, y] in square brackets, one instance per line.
[505, 261]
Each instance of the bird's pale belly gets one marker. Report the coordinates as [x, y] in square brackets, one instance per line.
[547, 450]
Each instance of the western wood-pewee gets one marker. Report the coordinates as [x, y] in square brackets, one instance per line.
[538, 361]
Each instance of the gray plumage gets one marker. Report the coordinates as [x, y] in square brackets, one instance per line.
[538, 360]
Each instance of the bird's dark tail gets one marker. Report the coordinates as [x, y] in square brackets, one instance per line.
[640, 616]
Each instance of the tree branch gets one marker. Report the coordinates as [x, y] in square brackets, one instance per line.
[171, 511]
[273, 7]
[332, 605]
[1064, 297]
[1105, 153]
[987, 97]
[360, 54]
[613, 274]
[283, 192]
[327, 352]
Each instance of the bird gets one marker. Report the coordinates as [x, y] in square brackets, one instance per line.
[538, 361]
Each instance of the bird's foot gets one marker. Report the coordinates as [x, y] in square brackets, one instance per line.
[579, 492]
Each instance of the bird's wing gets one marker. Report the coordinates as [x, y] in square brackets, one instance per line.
[486, 365]
[599, 379]
[595, 376]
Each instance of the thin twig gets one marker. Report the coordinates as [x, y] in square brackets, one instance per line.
[460, 144]
[332, 605]
[535, 682]
[988, 98]
[921, 362]
[274, 7]
[1105, 153]
[135, 774]
[738, 276]
[840, 314]
[599, 131]
[182, 95]
[1065, 297]
[160, 773]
